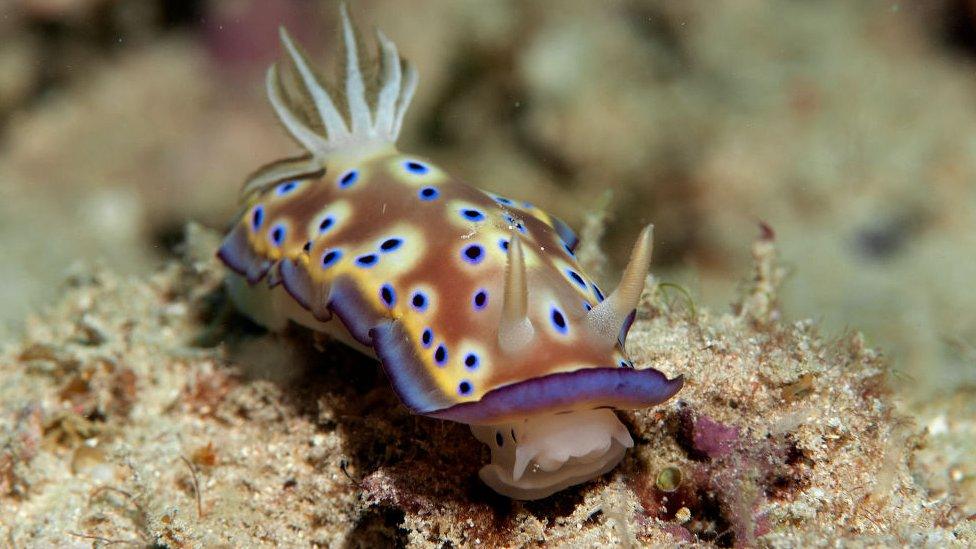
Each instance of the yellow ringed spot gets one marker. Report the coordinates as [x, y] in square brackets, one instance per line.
[329, 220]
[572, 274]
[473, 218]
[421, 300]
[287, 189]
[415, 172]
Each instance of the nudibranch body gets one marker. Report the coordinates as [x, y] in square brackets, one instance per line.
[474, 303]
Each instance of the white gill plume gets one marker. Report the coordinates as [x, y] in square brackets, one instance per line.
[515, 329]
[371, 119]
[607, 318]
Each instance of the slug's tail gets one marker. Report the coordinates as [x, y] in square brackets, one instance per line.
[361, 112]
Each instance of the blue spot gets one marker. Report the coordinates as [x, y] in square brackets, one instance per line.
[429, 193]
[326, 224]
[576, 278]
[367, 260]
[480, 299]
[416, 168]
[597, 293]
[558, 321]
[503, 244]
[286, 188]
[625, 363]
[464, 388]
[419, 301]
[348, 179]
[471, 361]
[473, 253]
[278, 234]
[569, 250]
[503, 200]
[391, 244]
[388, 295]
[527, 204]
[257, 218]
[472, 214]
[587, 307]
[440, 355]
[330, 257]
[426, 338]
[518, 224]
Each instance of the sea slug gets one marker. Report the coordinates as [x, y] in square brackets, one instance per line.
[474, 303]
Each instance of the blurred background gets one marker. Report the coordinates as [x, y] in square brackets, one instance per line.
[848, 127]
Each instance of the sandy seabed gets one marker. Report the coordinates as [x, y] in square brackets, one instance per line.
[142, 411]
